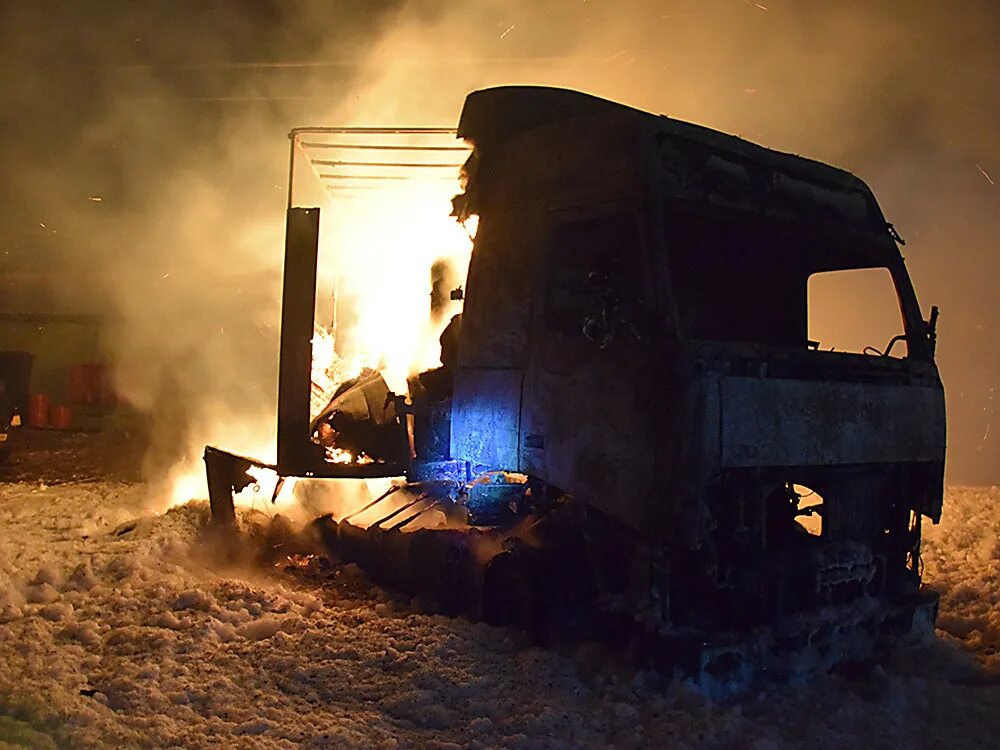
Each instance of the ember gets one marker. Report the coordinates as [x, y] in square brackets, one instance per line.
[295, 561]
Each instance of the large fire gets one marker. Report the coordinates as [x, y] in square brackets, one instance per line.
[381, 245]
[380, 239]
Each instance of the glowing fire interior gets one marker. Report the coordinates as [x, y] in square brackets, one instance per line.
[386, 221]
[387, 225]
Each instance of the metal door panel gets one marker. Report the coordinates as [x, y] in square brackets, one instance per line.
[485, 415]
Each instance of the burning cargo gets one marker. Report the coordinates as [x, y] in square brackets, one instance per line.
[630, 432]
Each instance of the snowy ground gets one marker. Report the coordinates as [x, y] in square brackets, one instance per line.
[117, 631]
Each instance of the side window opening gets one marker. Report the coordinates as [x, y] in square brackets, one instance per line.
[855, 311]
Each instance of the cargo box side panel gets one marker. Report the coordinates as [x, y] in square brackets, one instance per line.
[485, 417]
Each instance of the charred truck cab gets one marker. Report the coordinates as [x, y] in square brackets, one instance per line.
[635, 334]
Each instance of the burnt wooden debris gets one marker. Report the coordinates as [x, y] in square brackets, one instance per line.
[629, 406]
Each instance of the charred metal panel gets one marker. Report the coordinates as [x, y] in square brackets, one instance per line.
[686, 459]
[593, 432]
[541, 171]
[298, 312]
[566, 165]
[717, 176]
[927, 489]
[485, 417]
[785, 422]
[590, 418]
[494, 325]
[497, 114]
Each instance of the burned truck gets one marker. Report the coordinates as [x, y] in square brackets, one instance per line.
[630, 417]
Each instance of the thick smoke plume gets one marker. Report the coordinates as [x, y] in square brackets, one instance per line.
[182, 135]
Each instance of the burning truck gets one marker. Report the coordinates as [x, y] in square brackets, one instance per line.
[630, 435]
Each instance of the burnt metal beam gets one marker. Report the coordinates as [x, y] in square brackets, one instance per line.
[296, 132]
[401, 164]
[421, 498]
[372, 504]
[412, 517]
[329, 176]
[379, 147]
[298, 311]
[226, 474]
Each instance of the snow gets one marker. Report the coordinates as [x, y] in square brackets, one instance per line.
[118, 628]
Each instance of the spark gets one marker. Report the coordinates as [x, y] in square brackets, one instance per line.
[983, 172]
[164, 276]
[42, 225]
[756, 5]
[749, 91]
[95, 198]
[509, 29]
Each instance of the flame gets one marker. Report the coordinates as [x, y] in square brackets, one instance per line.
[339, 456]
[377, 247]
[342, 456]
[258, 495]
[383, 244]
[324, 360]
[295, 561]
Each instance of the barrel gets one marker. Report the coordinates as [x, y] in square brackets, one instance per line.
[38, 410]
[61, 417]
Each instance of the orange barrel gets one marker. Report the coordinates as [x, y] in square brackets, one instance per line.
[38, 410]
[61, 417]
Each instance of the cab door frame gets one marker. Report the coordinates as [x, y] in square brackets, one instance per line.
[590, 407]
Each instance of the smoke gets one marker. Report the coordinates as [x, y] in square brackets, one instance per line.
[182, 134]
[903, 96]
[160, 159]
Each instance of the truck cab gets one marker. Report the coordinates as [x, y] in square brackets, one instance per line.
[635, 333]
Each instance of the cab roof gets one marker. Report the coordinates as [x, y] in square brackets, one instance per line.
[495, 115]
